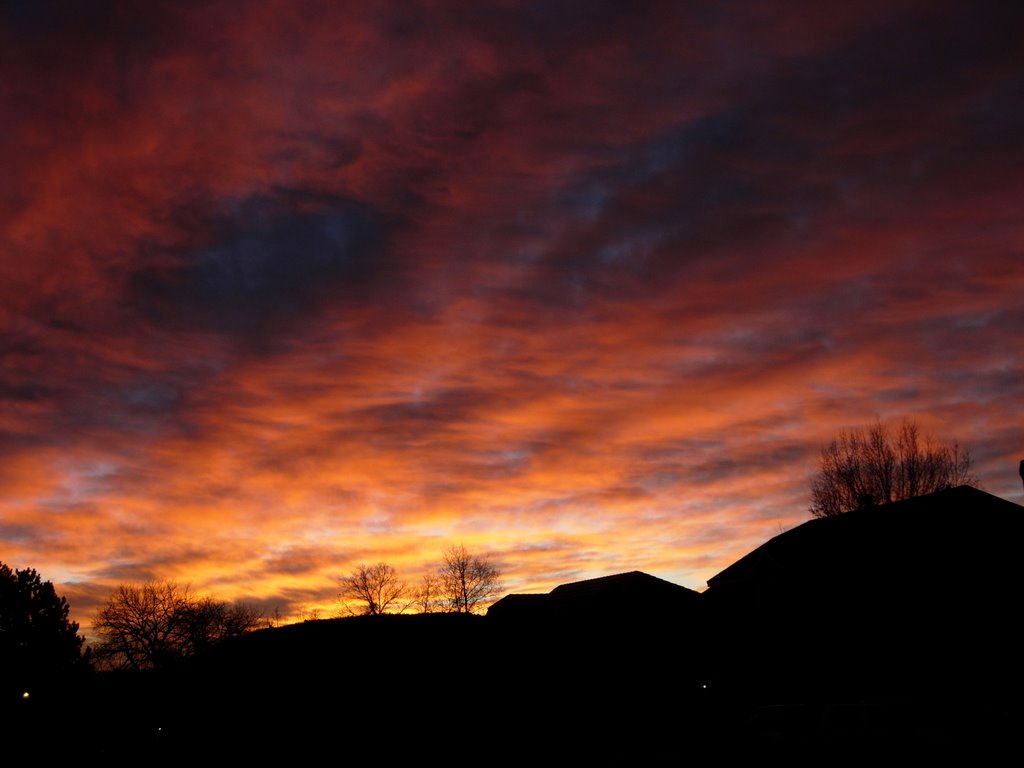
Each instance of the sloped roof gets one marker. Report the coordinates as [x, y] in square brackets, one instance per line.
[920, 595]
[956, 529]
[517, 602]
[632, 590]
[621, 585]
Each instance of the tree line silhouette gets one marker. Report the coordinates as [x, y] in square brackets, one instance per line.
[462, 583]
[156, 624]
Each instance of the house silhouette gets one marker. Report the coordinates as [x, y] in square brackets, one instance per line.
[610, 651]
[633, 594]
[916, 596]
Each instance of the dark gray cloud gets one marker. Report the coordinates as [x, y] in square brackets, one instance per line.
[434, 410]
[811, 137]
[266, 265]
[21, 534]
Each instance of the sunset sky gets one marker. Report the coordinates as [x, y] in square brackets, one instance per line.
[286, 287]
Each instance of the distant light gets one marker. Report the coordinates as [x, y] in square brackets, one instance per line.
[705, 686]
[24, 695]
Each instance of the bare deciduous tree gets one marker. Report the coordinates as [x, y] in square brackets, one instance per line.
[154, 624]
[467, 581]
[865, 467]
[210, 621]
[310, 614]
[142, 627]
[373, 588]
[428, 594]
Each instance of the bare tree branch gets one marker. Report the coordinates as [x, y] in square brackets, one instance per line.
[428, 595]
[158, 623]
[373, 588]
[866, 467]
[467, 581]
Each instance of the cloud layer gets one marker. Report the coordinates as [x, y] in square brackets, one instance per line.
[290, 286]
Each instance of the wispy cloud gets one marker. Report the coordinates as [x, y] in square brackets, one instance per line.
[289, 287]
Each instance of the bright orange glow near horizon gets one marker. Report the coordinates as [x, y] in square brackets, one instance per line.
[293, 286]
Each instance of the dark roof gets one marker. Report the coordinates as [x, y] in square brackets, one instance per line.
[632, 591]
[621, 585]
[516, 602]
[920, 595]
[953, 530]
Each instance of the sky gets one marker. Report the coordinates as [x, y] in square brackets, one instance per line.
[286, 287]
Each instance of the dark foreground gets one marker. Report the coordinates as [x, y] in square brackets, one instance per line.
[470, 691]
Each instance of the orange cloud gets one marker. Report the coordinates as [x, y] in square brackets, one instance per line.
[294, 287]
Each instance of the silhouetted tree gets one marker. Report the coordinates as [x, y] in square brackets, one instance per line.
[466, 581]
[38, 643]
[311, 613]
[428, 594]
[143, 627]
[210, 621]
[865, 467]
[158, 623]
[374, 588]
